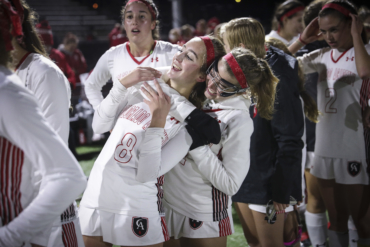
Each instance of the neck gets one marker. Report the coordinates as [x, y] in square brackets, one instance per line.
[347, 47]
[141, 49]
[17, 54]
[184, 91]
[285, 35]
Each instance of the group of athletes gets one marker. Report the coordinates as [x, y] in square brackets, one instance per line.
[193, 129]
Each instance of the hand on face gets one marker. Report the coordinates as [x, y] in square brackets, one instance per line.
[139, 74]
[159, 104]
[356, 26]
[312, 32]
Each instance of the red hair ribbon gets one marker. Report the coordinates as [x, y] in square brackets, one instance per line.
[9, 18]
[152, 11]
[237, 71]
[210, 50]
[292, 12]
[337, 7]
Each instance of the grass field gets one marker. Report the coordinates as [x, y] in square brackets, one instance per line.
[235, 240]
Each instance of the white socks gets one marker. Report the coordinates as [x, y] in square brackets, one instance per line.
[352, 231]
[317, 227]
[338, 239]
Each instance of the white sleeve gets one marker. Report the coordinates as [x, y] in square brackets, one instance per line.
[107, 111]
[97, 79]
[64, 180]
[310, 61]
[53, 95]
[154, 162]
[227, 175]
[180, 107]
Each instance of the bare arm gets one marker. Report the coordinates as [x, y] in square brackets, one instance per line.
[361, 55]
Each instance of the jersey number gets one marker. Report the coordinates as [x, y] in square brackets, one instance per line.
[123, 154]
[330, 93]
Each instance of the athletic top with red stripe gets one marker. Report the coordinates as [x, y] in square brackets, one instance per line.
[200, 186]
[341, 96]
[29, 148]
[127, 175]
[118, 62]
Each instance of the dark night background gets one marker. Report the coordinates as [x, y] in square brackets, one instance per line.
[193, 10]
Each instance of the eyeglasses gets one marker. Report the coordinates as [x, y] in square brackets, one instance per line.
[227, 88]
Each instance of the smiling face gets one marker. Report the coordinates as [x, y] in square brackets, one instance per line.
[214, 84]
[187, 63]
[336, 32]
[138, 22]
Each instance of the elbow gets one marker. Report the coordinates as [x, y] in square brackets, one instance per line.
[364, 75]
[233, 189]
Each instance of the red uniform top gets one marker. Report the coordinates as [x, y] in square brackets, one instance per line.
[60, 59]
[116, 37]
[77, 62]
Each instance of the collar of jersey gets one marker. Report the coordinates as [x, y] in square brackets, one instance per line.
[133, 58]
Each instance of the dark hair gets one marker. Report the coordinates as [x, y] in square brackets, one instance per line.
[261, 80]
[347, 5]
[155, 31]
[312, 11]
[70, 38]
[281, 10]
[197, 96]
[310, 107]
[4, 54]
[31, 41]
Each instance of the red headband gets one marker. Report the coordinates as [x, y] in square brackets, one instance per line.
[237, 71]
[292, 12]
[337, 7]
[147, 5]
[210, 50]
[9, 17]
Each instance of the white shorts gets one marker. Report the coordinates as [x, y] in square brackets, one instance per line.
[121, 229]
[262, 208]
[309, 160]
[183, 226]
[66, 235]
[344, 171]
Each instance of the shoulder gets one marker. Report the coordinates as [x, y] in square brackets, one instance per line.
[164, 46]
[42, 65]
[280, 62]
[367, 47]
[238, 119]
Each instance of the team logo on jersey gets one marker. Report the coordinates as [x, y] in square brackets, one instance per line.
[194, 224]
[140, 226]
[350, 59]
[354, 168]
[156, 59]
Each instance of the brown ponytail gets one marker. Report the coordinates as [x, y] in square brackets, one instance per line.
[262, 82]
[310, 107]
[31, 41]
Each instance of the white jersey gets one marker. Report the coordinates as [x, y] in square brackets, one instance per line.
[28, 146]
[118, 61]
[51, 88]
[201, 185]
[127, 176]
[274, 34]
[341, 96]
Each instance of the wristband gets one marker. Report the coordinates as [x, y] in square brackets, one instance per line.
[300, 40]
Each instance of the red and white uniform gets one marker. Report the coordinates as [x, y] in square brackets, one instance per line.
[126, 181]
[53, 93]
[342, 145]
[118, 62]
[201, 186]
[29, 148]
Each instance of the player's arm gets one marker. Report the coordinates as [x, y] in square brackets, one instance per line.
[62, 178]
[53, 94]
[287, 127]
[227, 175]
[361, 54]
[98, 78]
[108, 110]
